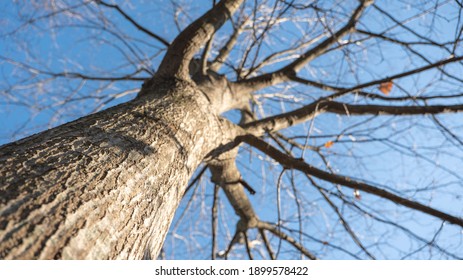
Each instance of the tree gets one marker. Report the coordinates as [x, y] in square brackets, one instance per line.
[325, 94]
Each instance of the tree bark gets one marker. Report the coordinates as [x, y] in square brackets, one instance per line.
[105, 186]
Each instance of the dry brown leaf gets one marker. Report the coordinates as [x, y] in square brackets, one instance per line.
[329, 144]
[386, 87]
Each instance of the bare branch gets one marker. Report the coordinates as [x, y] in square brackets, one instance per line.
[312, 110]
[233, 241]
[292, 163]
[247, 186]
[195, 180]
[74, 75]
[393, 77]
[132, 21]
[348, 109]
[214, 222]
[405, 27]
[344, 223]
[277, 232]
[408, 46]
[227, 48]
[286, 72]
[267, 244]
[247, 245]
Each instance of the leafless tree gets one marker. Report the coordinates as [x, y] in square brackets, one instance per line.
[276, 128]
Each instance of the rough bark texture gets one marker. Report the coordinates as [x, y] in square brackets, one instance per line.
[105, 186]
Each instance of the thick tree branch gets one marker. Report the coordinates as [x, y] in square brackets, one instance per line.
[225, 173]
[310, 111]
[292, 163]
[189, 41]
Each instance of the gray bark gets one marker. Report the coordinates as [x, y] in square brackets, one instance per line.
[105, 186]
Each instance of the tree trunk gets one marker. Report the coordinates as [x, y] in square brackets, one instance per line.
[105, 186]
